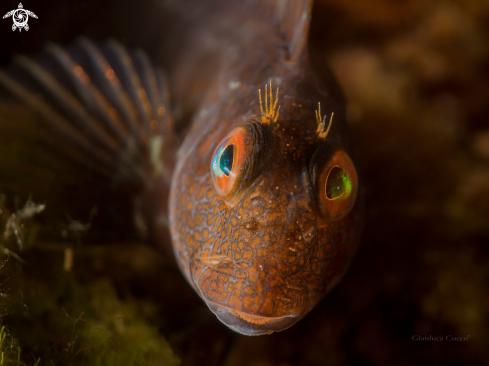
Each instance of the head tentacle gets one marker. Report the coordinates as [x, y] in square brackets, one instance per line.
[270, 115]
[322, 131]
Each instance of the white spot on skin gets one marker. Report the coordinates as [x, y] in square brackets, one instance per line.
[203, 113]
[276, 187]
[308, 235]
[277, 80]
[234, 84]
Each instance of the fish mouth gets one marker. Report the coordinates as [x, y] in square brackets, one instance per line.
[251, 325]
[241, 322]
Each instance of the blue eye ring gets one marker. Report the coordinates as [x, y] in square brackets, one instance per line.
[224, 159]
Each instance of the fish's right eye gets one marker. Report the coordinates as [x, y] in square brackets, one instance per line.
[227, 162]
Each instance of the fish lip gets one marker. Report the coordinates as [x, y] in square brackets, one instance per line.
[255, 325]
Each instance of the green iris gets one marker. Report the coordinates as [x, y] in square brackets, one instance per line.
[226, 161]
[338, 183]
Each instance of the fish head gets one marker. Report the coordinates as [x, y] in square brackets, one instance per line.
[263, 226]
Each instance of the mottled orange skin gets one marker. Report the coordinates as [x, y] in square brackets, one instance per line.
[269, 252]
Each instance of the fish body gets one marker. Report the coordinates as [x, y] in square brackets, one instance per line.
[263, 254]
[261, 200]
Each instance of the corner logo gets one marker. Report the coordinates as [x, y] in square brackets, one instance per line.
[20, 17]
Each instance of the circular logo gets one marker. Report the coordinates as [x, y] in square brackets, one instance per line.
[20, 17]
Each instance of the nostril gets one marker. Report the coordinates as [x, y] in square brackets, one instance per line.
[251, 224]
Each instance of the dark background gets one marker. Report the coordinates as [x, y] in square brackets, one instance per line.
[416, 76]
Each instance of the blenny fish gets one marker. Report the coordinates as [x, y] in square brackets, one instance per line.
[259, 193]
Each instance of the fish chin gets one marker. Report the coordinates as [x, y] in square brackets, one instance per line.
[251, 325]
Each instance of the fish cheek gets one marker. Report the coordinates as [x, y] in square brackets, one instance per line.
[280, 251]
[336, 249]
[191, 204]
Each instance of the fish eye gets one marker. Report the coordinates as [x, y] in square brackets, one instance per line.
[227, 162]
[337, 184]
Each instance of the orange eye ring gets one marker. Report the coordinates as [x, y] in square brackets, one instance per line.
[227, 162]
[337, 185]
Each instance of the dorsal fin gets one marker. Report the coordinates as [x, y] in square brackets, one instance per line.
[294, 17]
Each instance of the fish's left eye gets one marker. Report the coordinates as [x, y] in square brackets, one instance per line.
[227, 162]
[337, 185]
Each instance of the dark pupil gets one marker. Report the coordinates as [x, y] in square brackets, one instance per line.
[335, 186]
[226, 163]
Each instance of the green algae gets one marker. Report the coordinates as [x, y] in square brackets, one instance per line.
[59, 314]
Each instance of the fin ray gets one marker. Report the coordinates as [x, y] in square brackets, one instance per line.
[84, 126]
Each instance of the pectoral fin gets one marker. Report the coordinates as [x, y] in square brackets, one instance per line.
[85, 126]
